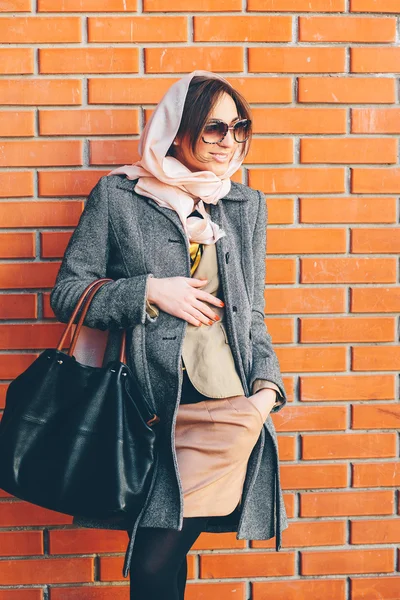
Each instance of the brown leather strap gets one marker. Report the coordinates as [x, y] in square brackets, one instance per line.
[84, 302]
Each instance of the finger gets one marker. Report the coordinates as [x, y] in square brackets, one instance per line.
[197, 314]
[196, 282]
[205, 309]
[206, 297]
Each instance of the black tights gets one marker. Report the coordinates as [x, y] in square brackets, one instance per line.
[158, 567]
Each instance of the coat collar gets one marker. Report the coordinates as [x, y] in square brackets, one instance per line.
[235, 193]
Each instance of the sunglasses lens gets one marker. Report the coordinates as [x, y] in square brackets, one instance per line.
[214, 132]
[242, 130]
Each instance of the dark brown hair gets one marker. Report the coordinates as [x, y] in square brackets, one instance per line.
[203, 94]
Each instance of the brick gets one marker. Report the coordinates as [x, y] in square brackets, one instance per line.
[16, 183]
[278, 150]
[281, 270]
[310, 533]
[68, 183]
[16, 61]
[340, 562]
[113, 152]
[347, 29]
[18, 306]
[347, 329]
[11, 365]
[297, 6]
[21, 594]
[40, 30]
[246, 565]
[223, 541]
[17, 245]
[3, 392]
[385, 6]
[375, 300]
[137, 29]
[86, 5]
[384, 358]
[30, 337]
[304, 477]
[264, 89]
[360, 90]
[312, 418]
[295, 589]
[382, 474]
[78, 541]
[299, 120]
[208, 58]
[44, 92]
[375, 416]
[287, 449]
[369, 60]
[350, 150]
[17, 123]
[297, 180]
[364, 588]
[348, 270]
[280, 211]
[347, 387]
[376, 241]
[54, 243]
[46, 571]
[37, 153]
[28, 275]
[305, 300]
[306, 240]
[88, 122]
[375, 120]
[343, 504]
[348, 210]
[298, 359]
[21, 543]
[128, 91]
[348, 445]
[15, 6]
[243, 29]
[222, 591]
[90, 593]
[191, 5]
[382, 531]
[281, 330]
[40, 214]
[297, 60]
[89, 60]
[24, 514]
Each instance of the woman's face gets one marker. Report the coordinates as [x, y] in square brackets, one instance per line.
[218, 156]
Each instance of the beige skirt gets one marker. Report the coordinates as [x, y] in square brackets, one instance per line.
[214, 440]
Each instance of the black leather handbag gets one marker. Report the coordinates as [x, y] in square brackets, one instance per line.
[79, 439]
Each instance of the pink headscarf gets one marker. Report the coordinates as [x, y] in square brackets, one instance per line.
[166, 180]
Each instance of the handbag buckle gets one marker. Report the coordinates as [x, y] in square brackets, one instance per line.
[154, 419]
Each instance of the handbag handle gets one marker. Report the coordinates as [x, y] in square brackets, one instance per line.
[84, 301]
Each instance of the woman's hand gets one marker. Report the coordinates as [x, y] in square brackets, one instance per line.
[181, 297]
[265, 400]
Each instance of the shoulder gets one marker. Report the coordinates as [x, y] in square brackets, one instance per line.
[246, 191]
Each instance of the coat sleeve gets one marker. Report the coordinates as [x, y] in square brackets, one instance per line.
[118, 304]
[265, 362]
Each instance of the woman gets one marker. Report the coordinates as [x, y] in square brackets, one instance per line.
[185, 247]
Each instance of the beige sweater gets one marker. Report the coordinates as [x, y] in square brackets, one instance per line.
[206, 352]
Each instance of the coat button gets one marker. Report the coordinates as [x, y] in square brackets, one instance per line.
[227, 257]
[234, 308]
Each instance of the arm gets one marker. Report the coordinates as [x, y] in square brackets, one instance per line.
[265, 362]
[119, 304]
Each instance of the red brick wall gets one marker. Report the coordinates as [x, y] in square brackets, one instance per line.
[77, 78]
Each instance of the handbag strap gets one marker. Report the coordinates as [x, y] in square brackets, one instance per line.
[84, 303]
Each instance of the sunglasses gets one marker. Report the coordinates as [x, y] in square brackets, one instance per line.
[214, 132]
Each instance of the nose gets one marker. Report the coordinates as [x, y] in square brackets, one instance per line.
[228, 141]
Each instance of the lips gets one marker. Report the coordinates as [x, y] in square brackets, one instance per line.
[221, 158]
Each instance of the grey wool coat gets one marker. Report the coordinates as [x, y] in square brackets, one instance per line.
[128, 238]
